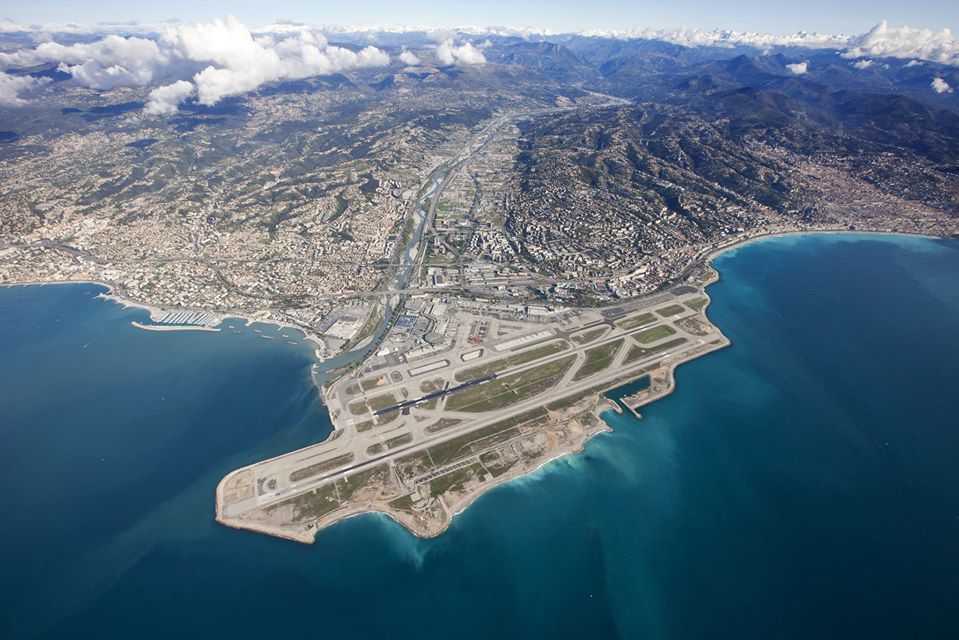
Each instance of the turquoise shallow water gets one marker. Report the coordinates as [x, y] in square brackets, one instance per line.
[802, 483]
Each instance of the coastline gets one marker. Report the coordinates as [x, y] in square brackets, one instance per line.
[434, 527]
[460, 504]
[154, 311]
[666, 385]
[742, 242]
[383, 508]
[626, 488]
[113, 291]
[662, 385]
[667, 375]
[172, 327]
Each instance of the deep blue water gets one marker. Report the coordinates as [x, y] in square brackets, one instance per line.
[802, 483]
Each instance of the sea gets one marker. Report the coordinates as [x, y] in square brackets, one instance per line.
[801, 483]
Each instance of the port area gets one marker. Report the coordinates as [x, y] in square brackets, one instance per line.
[425, 427]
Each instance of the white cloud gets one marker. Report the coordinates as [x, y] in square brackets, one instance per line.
[444, 52]
[440, 36]
[12, 86]
[409, 58]
[862, 64]
[798, 68]
[165, 101]
[941, 86]
[113, 61]
[725, 38]
[883, 41]
[468, 54]
[222, 58]
[880, 41]
[449, 53]
[242, 62]
[225, 58]
[370, 57]
[39, 31]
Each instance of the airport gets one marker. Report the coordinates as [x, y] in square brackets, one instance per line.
[432, 419]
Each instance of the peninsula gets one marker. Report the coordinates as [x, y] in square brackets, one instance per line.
[420, 440]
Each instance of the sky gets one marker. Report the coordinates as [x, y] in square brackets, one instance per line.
[827, 16]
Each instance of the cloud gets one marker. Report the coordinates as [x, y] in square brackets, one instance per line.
[798, 68]
[880, 41]
[444, 52]
[862, 64]
[409, 58]
[217, 59]
[165, 100]
[113, 61]
[468, 54]
[883, 41]
[41, 31]
[12, 86]
[241, 62]
[940, 86]
[724, 38]
[440, 36]
[448, 53]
